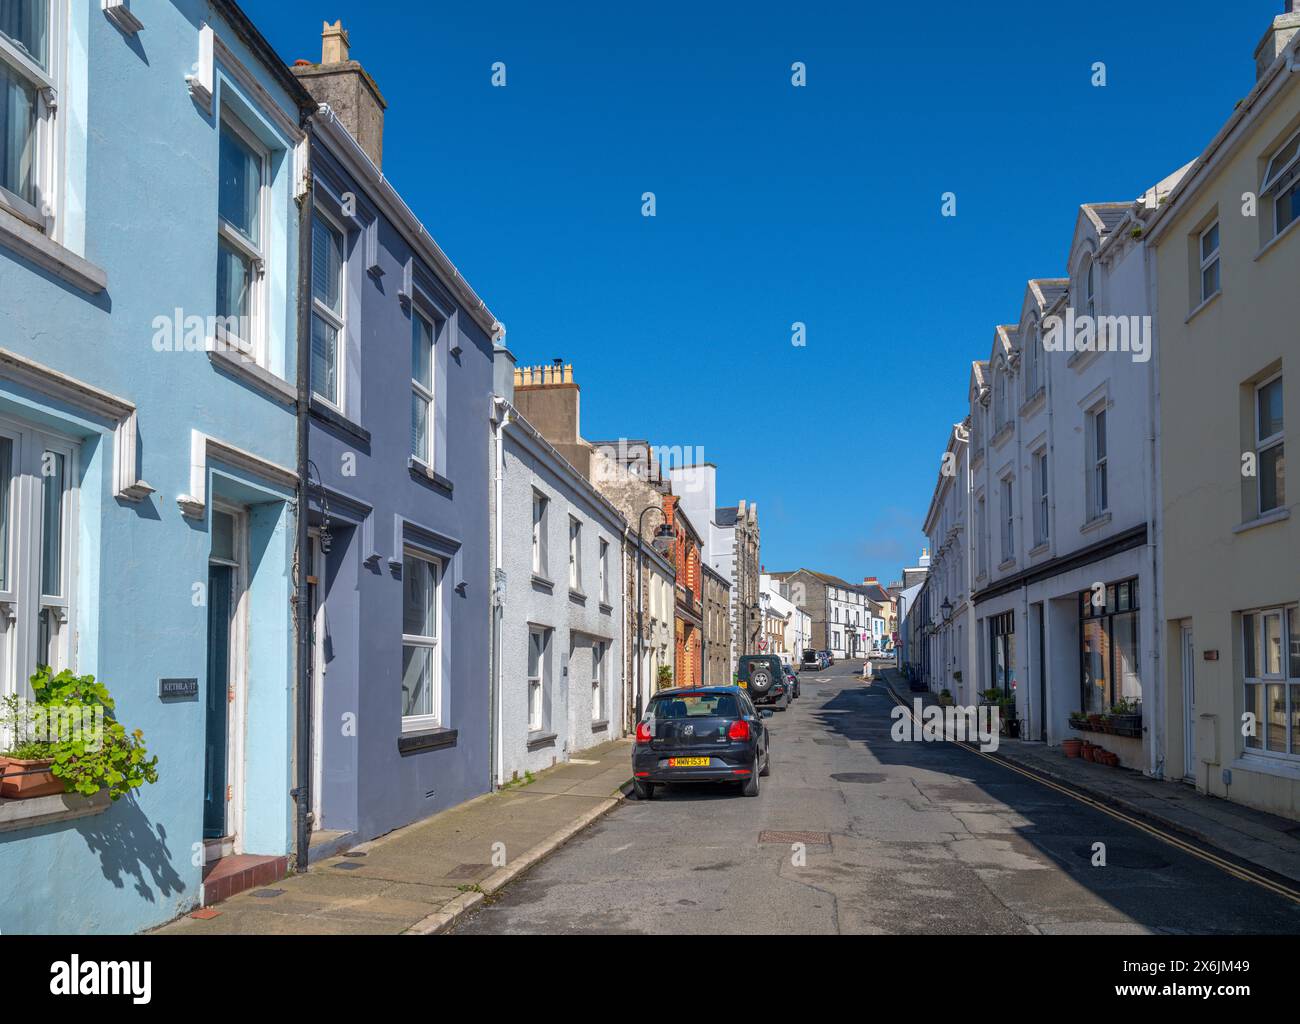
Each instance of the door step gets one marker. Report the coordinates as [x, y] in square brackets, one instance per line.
[232, 875]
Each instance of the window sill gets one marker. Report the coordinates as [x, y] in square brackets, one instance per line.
[1096, 523]
[32, 245]
[540, 740]
[606, 608]
[542, 583]
[248, 371]
[600, 726]
[50, 810]
[1033, 401]
[998, 439]
[1275, 766]
[1273, 242]
[577, 597]
[1208, 302]
[425, 740]
[426, 474]
[1082, 358]
[1010, 563]
[322, 411]
[1040, 549]
[1277, 515]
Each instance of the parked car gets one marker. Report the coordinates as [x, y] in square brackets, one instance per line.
[702, 734]
[792, 681]
[812, 659]
[764, 678]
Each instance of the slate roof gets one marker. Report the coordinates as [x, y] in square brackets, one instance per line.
[727, 516]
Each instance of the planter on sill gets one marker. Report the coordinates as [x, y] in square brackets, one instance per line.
[27, 780]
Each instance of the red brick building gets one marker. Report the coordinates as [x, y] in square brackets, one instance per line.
[689, 618]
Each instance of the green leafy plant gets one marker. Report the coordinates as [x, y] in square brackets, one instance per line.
[1125, 707]
[111, 758]
[945, 698]
[992, 696]
[664, 677]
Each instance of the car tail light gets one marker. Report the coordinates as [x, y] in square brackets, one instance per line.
[643, 734]
[739, 731]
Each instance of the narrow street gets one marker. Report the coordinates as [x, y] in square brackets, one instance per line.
[923, 838]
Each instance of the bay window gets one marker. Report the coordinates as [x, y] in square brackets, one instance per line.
[421, 674]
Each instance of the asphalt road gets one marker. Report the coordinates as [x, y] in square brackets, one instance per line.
[924, 838]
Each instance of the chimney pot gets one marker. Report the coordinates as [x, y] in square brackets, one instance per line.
[335, 44]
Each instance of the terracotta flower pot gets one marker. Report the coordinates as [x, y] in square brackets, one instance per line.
[1087, 750]
[1072, 747]
[26, 780]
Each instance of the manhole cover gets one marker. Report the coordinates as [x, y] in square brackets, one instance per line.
[354, 853]
[786, 838]
[1125, 857]
[865, 778]
[466, 871]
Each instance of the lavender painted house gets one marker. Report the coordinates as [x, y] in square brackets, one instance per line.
[402, 370]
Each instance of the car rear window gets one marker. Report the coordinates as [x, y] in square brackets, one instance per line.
[702, 705]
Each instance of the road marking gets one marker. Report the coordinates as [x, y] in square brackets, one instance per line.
[1242, 873]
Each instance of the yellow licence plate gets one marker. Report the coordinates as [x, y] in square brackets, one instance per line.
[688, 762]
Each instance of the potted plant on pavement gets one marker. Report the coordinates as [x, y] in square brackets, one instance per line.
[945, 698]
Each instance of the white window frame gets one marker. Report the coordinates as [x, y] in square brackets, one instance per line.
[427, 394]
[421, 723]
[598, 650]
[575, 554]
[1090, 286]
[337, 320]
[1264, 444]
[1280, 180]
[1030, 351]
[22, 600]
[1289, 682]
[254, 250]
[540, 508]
[1207, 261]
[1098, 462]
[47, 146]
[537, 683]
[982, 539]
[1007, 489]
[604, 571]
[1001, 417]
[1042, 498]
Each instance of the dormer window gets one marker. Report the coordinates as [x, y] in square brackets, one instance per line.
[1089, 274]
[1030, 356]
[999, 400]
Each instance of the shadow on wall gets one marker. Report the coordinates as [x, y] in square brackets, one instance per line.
[129, 847]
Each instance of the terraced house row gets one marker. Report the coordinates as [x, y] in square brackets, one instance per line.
[269, 473]
[1113, 541]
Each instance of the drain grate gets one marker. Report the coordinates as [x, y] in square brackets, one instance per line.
[786, 838]
[466, 871]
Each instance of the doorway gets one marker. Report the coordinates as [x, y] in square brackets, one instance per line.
[224, 702]
[1189, 702]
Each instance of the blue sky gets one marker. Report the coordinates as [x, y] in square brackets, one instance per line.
[776, 204]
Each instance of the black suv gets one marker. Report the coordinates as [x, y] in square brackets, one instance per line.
[763, 677]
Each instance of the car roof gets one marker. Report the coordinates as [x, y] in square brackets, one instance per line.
[678, 691]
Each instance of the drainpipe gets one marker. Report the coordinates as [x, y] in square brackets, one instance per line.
[302, 596]
[502, 411]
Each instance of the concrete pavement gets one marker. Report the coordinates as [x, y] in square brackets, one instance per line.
[916, 838]
[419, 879]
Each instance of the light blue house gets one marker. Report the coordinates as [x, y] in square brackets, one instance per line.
[149, 254]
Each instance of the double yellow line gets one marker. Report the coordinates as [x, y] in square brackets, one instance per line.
[1236, 870]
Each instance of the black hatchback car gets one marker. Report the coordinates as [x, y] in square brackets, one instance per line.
[700, 734]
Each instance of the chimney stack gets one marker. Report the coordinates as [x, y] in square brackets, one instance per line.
[1276, 39]
[347, 88]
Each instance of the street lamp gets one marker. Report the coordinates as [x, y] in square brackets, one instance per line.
[664, 533]
[946, 608]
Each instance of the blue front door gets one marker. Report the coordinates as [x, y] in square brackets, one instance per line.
[215, 781]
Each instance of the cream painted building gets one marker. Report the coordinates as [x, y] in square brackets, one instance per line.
[1227, 241]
